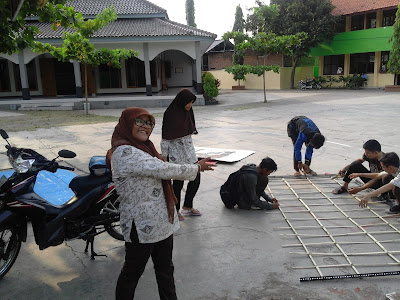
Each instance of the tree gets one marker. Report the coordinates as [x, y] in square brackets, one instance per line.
[265, 44]
[17, 35]
[77, 46]
[189, 6]
[238, 25]
[394, 59]
[310, 16]
[262, 18]
[238, 54]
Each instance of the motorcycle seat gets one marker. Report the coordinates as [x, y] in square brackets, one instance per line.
[83, 184]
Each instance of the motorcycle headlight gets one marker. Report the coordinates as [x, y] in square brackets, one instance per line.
[21, 165]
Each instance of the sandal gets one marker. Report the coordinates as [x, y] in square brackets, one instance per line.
[339, 190]
[191, 211]
[311, 172]
[180, 217]
[297, 174]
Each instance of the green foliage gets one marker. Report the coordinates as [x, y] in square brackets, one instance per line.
[349, 82]
[261, 69]
[394, 59]
[261, 18]
[312, 17]
[189, 7]
[239, 72]
[352, 82]
[16, 35]
[239, 20]
[210, 86]
[238, 37]
[266, 43]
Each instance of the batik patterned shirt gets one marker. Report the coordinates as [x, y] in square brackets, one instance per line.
[137, 177]
[179, 151]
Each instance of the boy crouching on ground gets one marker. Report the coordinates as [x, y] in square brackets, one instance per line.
[390, 164]
[372, 154]
[245, 187]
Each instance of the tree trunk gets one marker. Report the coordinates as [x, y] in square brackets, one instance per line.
[265, 95]
[86, 91]
[293, 73]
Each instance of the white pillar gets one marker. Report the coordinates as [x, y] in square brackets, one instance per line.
[24, 76]
[147, 69]
[199, 85]
[78, 79]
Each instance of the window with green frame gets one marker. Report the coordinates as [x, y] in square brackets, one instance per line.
[357, 22]
[384, 60]
[362, 63]
[333, 64]
[371, 20]
[389, 17]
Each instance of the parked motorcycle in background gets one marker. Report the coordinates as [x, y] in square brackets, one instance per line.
[33, 192]
[309, 84]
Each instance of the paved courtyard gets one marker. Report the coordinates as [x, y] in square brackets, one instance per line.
[227, 254]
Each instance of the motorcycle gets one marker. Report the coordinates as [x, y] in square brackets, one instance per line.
[309, 84]
[91, 210]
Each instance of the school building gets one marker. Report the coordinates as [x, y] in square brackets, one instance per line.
[170, 55]
[362, 42]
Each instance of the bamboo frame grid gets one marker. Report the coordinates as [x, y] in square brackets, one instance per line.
[307, 208]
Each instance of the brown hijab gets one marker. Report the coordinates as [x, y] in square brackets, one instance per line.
[123, 136]
[177, 121]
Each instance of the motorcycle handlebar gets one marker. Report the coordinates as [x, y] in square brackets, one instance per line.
[66, 168]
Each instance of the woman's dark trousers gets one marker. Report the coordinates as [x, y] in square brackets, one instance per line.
[191, 191]
[136, 257]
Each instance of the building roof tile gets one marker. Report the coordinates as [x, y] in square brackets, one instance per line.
[146, 27]
[346, 7]
[122, 7]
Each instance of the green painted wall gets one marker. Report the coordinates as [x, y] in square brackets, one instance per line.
[360, 41]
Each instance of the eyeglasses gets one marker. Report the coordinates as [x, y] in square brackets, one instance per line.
[142, 123]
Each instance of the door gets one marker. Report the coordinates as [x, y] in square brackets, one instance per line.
[48, 77]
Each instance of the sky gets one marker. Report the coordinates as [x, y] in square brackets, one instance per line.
[215, 16]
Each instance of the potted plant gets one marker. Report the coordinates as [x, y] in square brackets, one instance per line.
[239, 73]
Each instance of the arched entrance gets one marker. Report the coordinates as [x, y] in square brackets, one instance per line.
[178, 69]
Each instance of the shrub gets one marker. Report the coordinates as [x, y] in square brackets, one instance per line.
[349, 82]
[210, 86]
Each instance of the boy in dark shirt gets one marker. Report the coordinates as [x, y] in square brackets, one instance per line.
[372, 154]
[251, 186]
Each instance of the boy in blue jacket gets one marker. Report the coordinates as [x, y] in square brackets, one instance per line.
[303, 130]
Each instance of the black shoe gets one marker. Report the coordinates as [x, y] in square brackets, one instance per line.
[394, 210]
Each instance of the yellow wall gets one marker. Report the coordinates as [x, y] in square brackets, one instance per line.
[275, 81]
[385, 79]
[302, 73]
[254, 82]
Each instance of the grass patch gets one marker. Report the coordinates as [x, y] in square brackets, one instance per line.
[32, 120]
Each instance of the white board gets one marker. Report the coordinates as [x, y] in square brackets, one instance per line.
[225, 155]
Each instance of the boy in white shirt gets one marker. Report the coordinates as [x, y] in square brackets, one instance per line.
[390, 164]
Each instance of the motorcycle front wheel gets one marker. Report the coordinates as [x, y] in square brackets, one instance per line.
[113, 229]
[10, 244]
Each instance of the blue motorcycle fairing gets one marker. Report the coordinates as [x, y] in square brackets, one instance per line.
[53, 187]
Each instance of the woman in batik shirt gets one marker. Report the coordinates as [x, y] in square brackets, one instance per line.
[148, 216]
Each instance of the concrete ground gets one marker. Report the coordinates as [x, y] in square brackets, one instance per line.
[224, 254]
